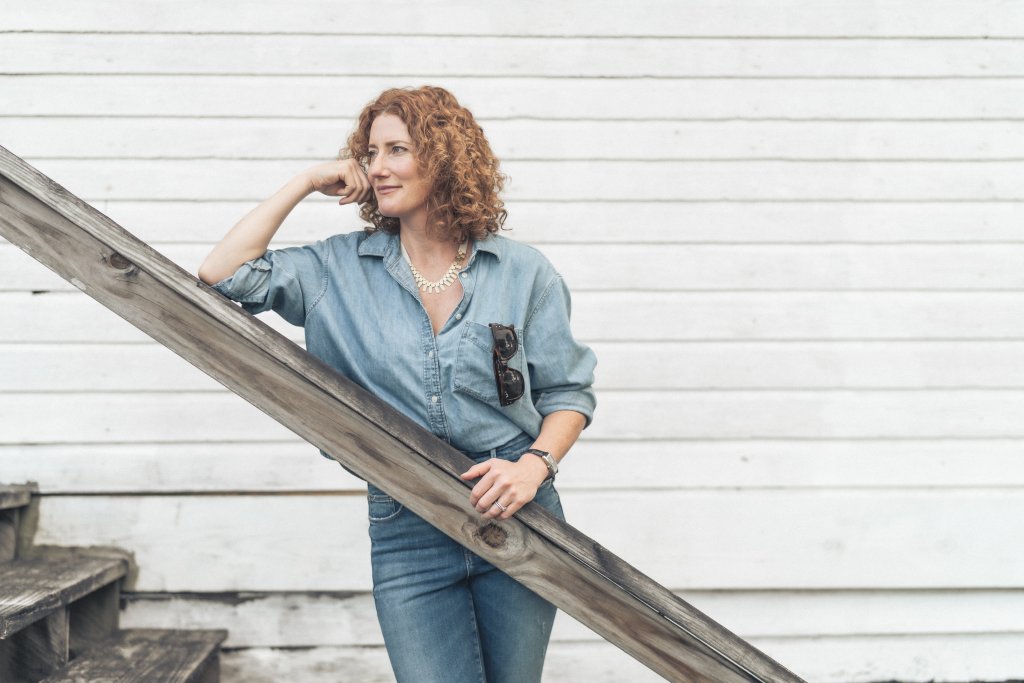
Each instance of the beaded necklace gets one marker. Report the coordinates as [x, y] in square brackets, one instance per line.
[446, 280]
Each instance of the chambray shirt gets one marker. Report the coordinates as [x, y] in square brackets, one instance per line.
[355, 296]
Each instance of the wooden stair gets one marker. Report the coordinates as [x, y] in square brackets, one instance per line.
[59, 619]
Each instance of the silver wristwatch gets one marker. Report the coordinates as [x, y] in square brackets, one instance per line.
[549, 461]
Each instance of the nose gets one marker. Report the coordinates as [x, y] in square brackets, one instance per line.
[376, 167]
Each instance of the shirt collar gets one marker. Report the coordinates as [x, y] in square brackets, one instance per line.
[381, 243]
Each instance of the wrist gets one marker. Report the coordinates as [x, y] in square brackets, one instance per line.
[549, 462]
[538, 468]
[305, 181]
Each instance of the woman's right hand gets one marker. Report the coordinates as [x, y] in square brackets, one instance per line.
[343, 178]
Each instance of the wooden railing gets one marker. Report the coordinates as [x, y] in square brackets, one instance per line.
[365, 434]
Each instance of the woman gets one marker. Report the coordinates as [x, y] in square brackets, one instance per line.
[462, 330]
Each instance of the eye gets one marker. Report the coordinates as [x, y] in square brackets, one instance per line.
[398, 149]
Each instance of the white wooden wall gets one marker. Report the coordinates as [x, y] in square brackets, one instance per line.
[794, 233]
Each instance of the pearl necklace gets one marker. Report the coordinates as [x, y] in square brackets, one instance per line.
[446, 280]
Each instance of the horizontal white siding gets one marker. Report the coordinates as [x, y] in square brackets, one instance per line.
[503, 56]
[793, 232]
[734, 18]
[580, 181]
[570, 99]
[527, 139]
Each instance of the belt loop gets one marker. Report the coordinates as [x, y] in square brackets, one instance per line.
[494, 452]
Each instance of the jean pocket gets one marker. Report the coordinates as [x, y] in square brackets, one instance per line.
[382, 507]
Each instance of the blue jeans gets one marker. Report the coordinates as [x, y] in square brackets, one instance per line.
[449, 616]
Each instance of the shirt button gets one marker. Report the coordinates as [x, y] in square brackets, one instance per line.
[458, 316]
[433, 399]
[430, 354]
[465, 275]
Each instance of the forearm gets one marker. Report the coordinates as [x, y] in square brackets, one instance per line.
[251, 236]
[558, 432]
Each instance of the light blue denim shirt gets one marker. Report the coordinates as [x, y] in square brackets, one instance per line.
[355, 297]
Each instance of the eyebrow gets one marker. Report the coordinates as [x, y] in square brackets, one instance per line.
[392, 142]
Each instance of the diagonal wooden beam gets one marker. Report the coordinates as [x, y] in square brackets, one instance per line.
[365, 434]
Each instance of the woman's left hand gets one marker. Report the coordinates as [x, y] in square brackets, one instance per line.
[513, 484]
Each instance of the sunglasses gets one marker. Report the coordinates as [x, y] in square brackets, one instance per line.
[509, 380]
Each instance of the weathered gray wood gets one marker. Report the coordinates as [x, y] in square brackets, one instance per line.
[93, 618]
[12, 497]
[366, 434]
[32, 588]
[8, 534]
[37, 650]
[15, 496]
[148, 656]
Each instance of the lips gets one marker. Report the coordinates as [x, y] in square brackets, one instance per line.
[386, 189]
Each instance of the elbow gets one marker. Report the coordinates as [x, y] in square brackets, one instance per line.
[210, 274]
[211, 271]
[206, 274]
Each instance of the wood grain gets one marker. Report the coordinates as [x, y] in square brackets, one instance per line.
[378, 443]
[147, 656]
[36, 649]
[32, 588]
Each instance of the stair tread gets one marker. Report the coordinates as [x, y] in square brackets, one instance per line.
[144, 656]
[15, 495]
[31, 588]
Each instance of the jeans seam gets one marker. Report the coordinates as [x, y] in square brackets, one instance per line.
[477, 651]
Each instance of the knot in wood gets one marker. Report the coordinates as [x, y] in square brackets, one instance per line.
[493, 535]
[119, 262]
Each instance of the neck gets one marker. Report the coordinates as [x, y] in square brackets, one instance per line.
[426, 252]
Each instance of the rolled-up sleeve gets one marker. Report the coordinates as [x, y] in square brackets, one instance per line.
[561, 369]
[289, 281]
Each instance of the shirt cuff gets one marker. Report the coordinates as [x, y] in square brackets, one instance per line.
[583, 402]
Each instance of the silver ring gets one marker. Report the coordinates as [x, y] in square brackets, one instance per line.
[500, 506]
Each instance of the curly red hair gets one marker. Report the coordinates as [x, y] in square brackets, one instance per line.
[452, 154]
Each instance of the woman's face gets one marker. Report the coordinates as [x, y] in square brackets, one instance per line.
[401, 191]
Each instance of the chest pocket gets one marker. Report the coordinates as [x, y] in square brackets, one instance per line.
[474, 367]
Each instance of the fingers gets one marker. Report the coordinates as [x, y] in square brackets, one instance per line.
[355, 186]
[500, 482]
[476, 470]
